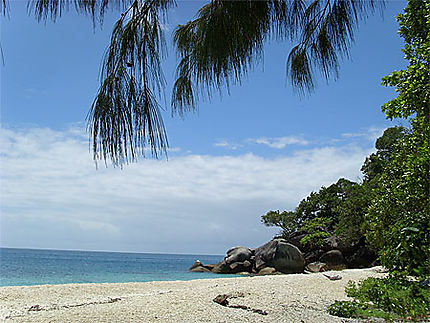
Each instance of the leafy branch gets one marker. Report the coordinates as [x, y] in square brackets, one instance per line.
[125, 115]
[216, 49]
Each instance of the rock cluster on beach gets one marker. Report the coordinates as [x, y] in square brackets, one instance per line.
[290, 256]
[334, 254]
[276, 256]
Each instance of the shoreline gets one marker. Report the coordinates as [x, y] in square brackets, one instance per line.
[218, 276]
[285, 298]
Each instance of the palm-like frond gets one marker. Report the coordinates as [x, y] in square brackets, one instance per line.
[220, 46]
[125, 115]
[4, 7]
[226, 39]
[216, 49]
[53, 9]
[326, 35]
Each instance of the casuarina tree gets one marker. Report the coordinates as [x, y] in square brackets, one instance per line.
[216, 49]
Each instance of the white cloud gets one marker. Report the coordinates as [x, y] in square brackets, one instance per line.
[227, 145]
[279, 142]
[52, 196]
[370, 134]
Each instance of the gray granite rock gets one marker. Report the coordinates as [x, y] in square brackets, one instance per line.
[281, 255]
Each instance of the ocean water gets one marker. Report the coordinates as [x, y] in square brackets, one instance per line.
[36, 267]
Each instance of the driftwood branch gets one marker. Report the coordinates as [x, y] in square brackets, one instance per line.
[222, 299]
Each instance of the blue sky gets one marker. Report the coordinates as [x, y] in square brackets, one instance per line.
[262, 147]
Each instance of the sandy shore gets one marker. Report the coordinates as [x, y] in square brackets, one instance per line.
[285, 298]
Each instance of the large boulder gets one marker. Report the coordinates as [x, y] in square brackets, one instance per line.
[221, 268]
[334, 242]
[267, 271]
[240, 266]
[334, 260]
[281, 255]
[313, 256]
[238, 259]
[316, 267]
[295, 239]
[238, 254]
[209, 266]
[198, 267]
[361, 258]
[196, 264]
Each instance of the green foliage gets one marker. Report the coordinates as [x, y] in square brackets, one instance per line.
[338, 209]
[397, 222]
[393, 297]
[212, 56]
[325, 207]
[353, 309]
[394, 294]
[349, 225]
[317, 231]
[412, 84]
[125, 115]
[341, 208]
[386, 143]
[385, 146]
[53, 9]
[344, 309]
[286, 220]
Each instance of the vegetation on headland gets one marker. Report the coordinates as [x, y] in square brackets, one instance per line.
[340, 208]
[391, 207]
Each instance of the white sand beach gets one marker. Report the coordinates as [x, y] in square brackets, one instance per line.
[285, 298]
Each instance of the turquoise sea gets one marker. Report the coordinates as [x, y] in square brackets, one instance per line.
[35, 267]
